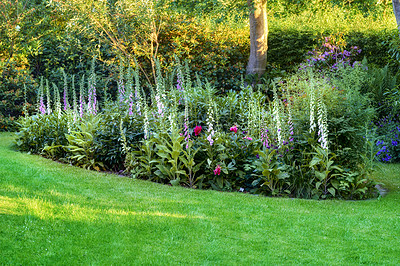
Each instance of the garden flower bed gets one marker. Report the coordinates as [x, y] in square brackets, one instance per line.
[305, 136]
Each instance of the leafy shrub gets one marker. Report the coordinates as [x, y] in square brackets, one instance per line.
[17, 94]
[219, 54]
[80, 150]
[108, 145]
[288, 48]
[380, 85]
[39, 131]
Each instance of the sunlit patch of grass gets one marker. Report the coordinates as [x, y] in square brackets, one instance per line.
[46, 210]
[54, 213]
[335, 19]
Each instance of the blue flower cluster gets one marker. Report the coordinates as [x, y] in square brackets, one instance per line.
[388, 130]
[384, 151]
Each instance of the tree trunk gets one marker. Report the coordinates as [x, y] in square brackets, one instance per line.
[258, 37]
[396, 11]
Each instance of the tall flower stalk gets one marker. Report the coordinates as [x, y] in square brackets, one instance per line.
[264, 132]
[186, 125]
[25, 107]
[81, 96]
[210, 118]
[180, 88]
[48, 109]
[160, 96]
[322, 125]
[138, 95]
[277, 118]
[57, 100]
[92, 97]
[65, 93]
[129, 81]
[130, 100]
[312, 108]
[146, 120]
[74, 100]
[42, 107]
[290, 117]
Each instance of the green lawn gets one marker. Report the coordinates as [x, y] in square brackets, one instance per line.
[55, 213]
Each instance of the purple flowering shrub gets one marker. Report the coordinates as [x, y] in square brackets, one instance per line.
[331, 55]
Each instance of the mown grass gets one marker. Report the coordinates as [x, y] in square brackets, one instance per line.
[55, 213]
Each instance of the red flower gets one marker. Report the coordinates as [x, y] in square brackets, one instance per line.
[197, 130]
[234, 129]
[217, 170]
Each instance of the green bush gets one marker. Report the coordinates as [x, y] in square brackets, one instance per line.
[39, 131]
[17, 95]
[108, 145]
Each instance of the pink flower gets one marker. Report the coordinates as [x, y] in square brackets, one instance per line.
[209, 138]
[247, 138]
[234, 129]
[217, 170]
[197, 130]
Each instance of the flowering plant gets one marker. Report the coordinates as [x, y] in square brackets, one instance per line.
[388, 130]
[197, 130]
[331, 55]
[248, 138]
[217, 170]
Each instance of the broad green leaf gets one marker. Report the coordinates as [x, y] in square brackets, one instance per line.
[315, 161]
[175, 182]
[332, 191]
[337, 168]
[175, 154]
[185, 162]
[335, 183]
[319, 175]
[283, 175]
[266, 172]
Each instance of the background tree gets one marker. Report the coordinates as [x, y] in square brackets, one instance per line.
[13, 16]
[258, 37]
[396, 10]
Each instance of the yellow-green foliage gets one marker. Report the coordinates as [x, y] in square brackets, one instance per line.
[218, 53]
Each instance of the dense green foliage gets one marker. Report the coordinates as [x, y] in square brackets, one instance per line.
[16, 87]
[42, 37]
